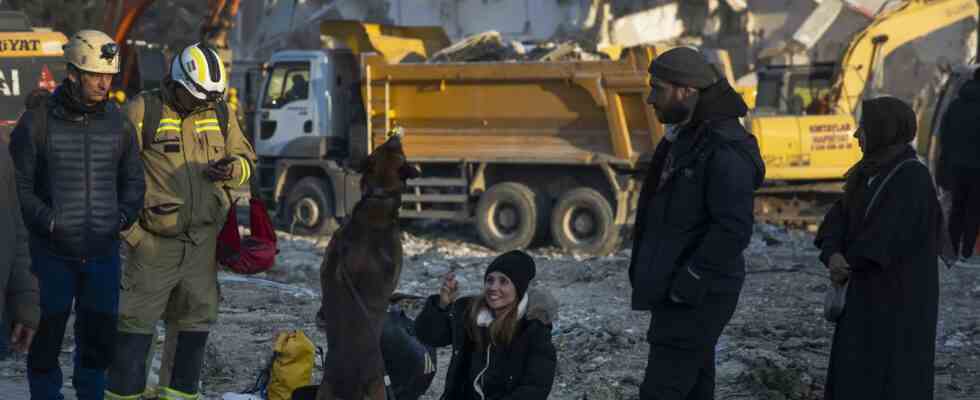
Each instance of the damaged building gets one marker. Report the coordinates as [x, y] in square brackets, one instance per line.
[770, 30]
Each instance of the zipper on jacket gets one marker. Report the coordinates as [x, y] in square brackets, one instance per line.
[190, 181]
[88, 183]
[452, 360]
[481, 377]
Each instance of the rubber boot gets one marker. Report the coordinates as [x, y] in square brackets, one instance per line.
[127, 374]
[167, 353]
[188, 361]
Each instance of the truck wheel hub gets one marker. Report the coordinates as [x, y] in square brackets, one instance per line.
[506, 219]
[581, 224]
[307, 212]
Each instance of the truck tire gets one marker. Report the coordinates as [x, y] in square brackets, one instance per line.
[583, 221]
[310, 208]
[508, 216]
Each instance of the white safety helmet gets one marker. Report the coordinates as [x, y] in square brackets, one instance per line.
[200, 70]
[92, 51]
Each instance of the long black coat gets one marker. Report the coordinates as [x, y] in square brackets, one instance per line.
[959, 165]
[959, 138]
[884, 344]
[525, 370]
[700, 219]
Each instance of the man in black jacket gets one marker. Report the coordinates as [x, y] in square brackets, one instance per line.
[80, 182]
[959, 165]
[694, 221]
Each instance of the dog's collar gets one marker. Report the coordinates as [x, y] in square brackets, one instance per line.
[379, 193]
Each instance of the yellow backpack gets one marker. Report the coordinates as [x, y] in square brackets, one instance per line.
[292, 366]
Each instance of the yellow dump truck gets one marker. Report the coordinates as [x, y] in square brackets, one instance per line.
[523, 150]
[534, 150]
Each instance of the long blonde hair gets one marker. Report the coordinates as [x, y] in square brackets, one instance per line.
[502, 329]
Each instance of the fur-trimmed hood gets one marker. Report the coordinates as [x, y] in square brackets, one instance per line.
[538, 304]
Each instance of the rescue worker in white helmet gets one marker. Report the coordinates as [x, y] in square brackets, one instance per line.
[80, 182]
[194, 153]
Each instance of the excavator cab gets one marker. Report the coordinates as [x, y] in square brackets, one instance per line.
[802, 135]
[795, 90]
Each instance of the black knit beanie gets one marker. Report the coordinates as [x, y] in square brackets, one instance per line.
[684, 66]
[519, 268]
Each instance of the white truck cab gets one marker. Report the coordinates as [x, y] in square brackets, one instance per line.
[301, 122]
[297, 101]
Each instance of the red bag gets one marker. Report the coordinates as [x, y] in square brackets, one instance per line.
[257, 252]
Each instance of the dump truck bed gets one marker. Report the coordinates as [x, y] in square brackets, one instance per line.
[577, 112]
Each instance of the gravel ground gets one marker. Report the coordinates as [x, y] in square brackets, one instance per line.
[776, 346]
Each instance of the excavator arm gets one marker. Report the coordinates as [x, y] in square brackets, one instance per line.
[122, 16]
[218, 24]
[893, 29]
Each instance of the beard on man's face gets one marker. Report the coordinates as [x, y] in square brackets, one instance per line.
[676, 111]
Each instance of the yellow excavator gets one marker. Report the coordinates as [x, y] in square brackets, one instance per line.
[805, 116]
[30, 58]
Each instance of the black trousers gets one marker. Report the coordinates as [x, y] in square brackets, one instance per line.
[681, 364]
[964, 218]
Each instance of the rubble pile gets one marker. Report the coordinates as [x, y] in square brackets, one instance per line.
[615, 25]
[776, 347]
[486, 46]
[769, 373]
[490, 46]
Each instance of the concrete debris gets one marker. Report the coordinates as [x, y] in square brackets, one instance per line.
[772, 235]
[489, 46]
[568, 51]
[956, 341]
[654, 25]
[292, 289]
[486, 46]
[239, 396]
[776, 347]
[216, 361]
[812, 30]
[772, 374]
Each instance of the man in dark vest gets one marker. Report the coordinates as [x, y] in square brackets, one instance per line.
[80, 183]
[694, 221]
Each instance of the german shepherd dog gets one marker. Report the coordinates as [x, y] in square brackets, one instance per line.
[360, 272]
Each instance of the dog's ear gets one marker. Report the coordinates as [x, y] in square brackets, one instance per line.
[395, 135]
[407, 171]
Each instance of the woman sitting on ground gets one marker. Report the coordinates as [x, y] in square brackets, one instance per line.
[501, 338]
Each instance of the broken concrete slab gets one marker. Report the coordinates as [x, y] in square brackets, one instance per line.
[486, 46]
[654, 25]
[568, 51]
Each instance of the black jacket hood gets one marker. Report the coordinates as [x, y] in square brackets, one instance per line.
[970, 91]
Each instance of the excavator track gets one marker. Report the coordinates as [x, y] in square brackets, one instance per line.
[796, 206]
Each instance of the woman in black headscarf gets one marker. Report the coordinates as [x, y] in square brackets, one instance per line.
[882, 239]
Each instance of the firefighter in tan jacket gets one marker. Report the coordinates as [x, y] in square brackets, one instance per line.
[191, 162]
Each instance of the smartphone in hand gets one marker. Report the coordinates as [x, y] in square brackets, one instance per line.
[224, 161]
